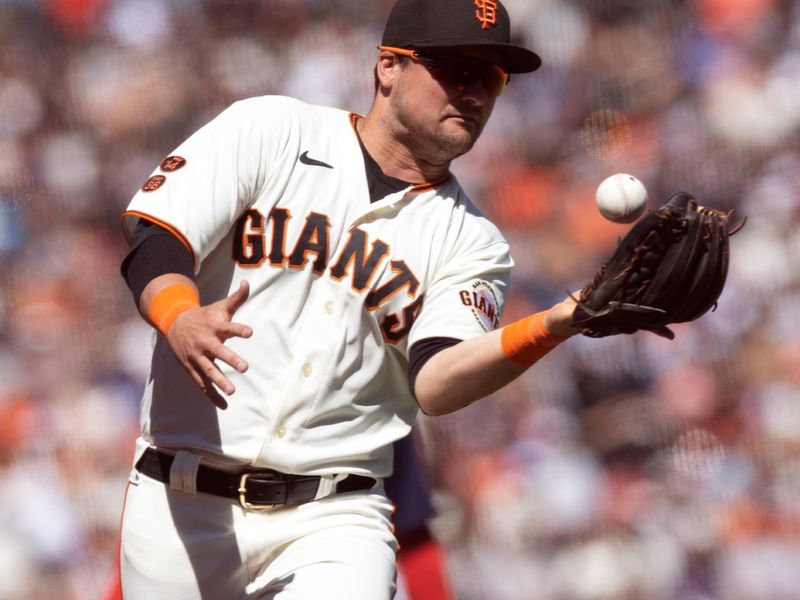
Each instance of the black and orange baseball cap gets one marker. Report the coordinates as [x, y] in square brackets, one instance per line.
[447, 26]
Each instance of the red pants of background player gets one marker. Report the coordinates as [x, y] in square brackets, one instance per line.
[421, 564]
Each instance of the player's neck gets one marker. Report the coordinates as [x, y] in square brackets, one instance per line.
[395, 158]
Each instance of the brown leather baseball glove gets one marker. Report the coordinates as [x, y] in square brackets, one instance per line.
[670, 268]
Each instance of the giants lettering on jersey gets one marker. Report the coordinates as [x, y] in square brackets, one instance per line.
[482, 301]
[354, 262]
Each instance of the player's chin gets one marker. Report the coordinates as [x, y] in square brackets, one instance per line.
[461, 135]
[464, 126]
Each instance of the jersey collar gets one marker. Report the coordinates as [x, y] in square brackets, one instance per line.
[415, 188]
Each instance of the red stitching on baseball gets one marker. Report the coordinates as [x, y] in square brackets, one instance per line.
[625, 199]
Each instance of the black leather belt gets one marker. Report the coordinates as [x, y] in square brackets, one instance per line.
[252, 488]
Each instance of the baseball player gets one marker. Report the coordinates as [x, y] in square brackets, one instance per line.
[315, 278]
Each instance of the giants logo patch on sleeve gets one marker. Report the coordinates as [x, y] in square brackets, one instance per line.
[482, 301]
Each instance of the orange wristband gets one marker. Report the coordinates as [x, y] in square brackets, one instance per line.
[168, 303]
[527, 340]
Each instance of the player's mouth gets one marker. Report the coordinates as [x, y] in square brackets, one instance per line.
[462, 116]
[467, 121]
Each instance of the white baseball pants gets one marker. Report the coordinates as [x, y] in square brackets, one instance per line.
[182, 546]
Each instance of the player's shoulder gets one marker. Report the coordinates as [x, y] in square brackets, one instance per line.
[276, 106]
[468, 213]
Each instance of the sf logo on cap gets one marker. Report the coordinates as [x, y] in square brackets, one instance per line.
[486, 13]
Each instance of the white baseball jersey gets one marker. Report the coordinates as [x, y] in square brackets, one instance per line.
[274, 191]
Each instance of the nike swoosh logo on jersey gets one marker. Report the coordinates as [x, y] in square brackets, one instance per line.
[306, 160]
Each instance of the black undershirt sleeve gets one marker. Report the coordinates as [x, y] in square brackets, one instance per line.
[422, 351]
[154, 251]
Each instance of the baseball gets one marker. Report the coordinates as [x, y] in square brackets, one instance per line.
[621, 198]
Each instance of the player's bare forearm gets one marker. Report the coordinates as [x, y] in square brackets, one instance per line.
[461, 374]
[197, 334]
[475, 368]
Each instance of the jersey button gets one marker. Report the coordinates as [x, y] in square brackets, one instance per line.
[307, 370]
[330, 307]
[281, 431]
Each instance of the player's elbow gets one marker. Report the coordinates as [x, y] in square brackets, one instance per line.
[434, 409]
[435, 402]
[437, 391]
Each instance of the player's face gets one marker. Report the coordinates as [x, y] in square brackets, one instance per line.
[442, 108]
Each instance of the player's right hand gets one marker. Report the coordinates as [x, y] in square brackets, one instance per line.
[197, 339]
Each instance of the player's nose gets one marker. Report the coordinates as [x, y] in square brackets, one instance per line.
[475, 93]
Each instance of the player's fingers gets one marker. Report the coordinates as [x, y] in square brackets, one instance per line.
[230, 330]
[198, 380]
[208, 370]
[237, 298]
[215, 397]
[207, 388]
[227, 355]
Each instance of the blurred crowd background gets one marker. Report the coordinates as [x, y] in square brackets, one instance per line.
[620, 468]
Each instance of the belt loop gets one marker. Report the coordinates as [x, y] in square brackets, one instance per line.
[327, 485]
[183, 472]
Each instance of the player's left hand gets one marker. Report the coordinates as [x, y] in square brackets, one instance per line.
[669, 268]
[197, 339]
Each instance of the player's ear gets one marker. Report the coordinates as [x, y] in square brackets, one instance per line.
[386, 71]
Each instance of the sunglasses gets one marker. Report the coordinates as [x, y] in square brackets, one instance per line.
[458, 71]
